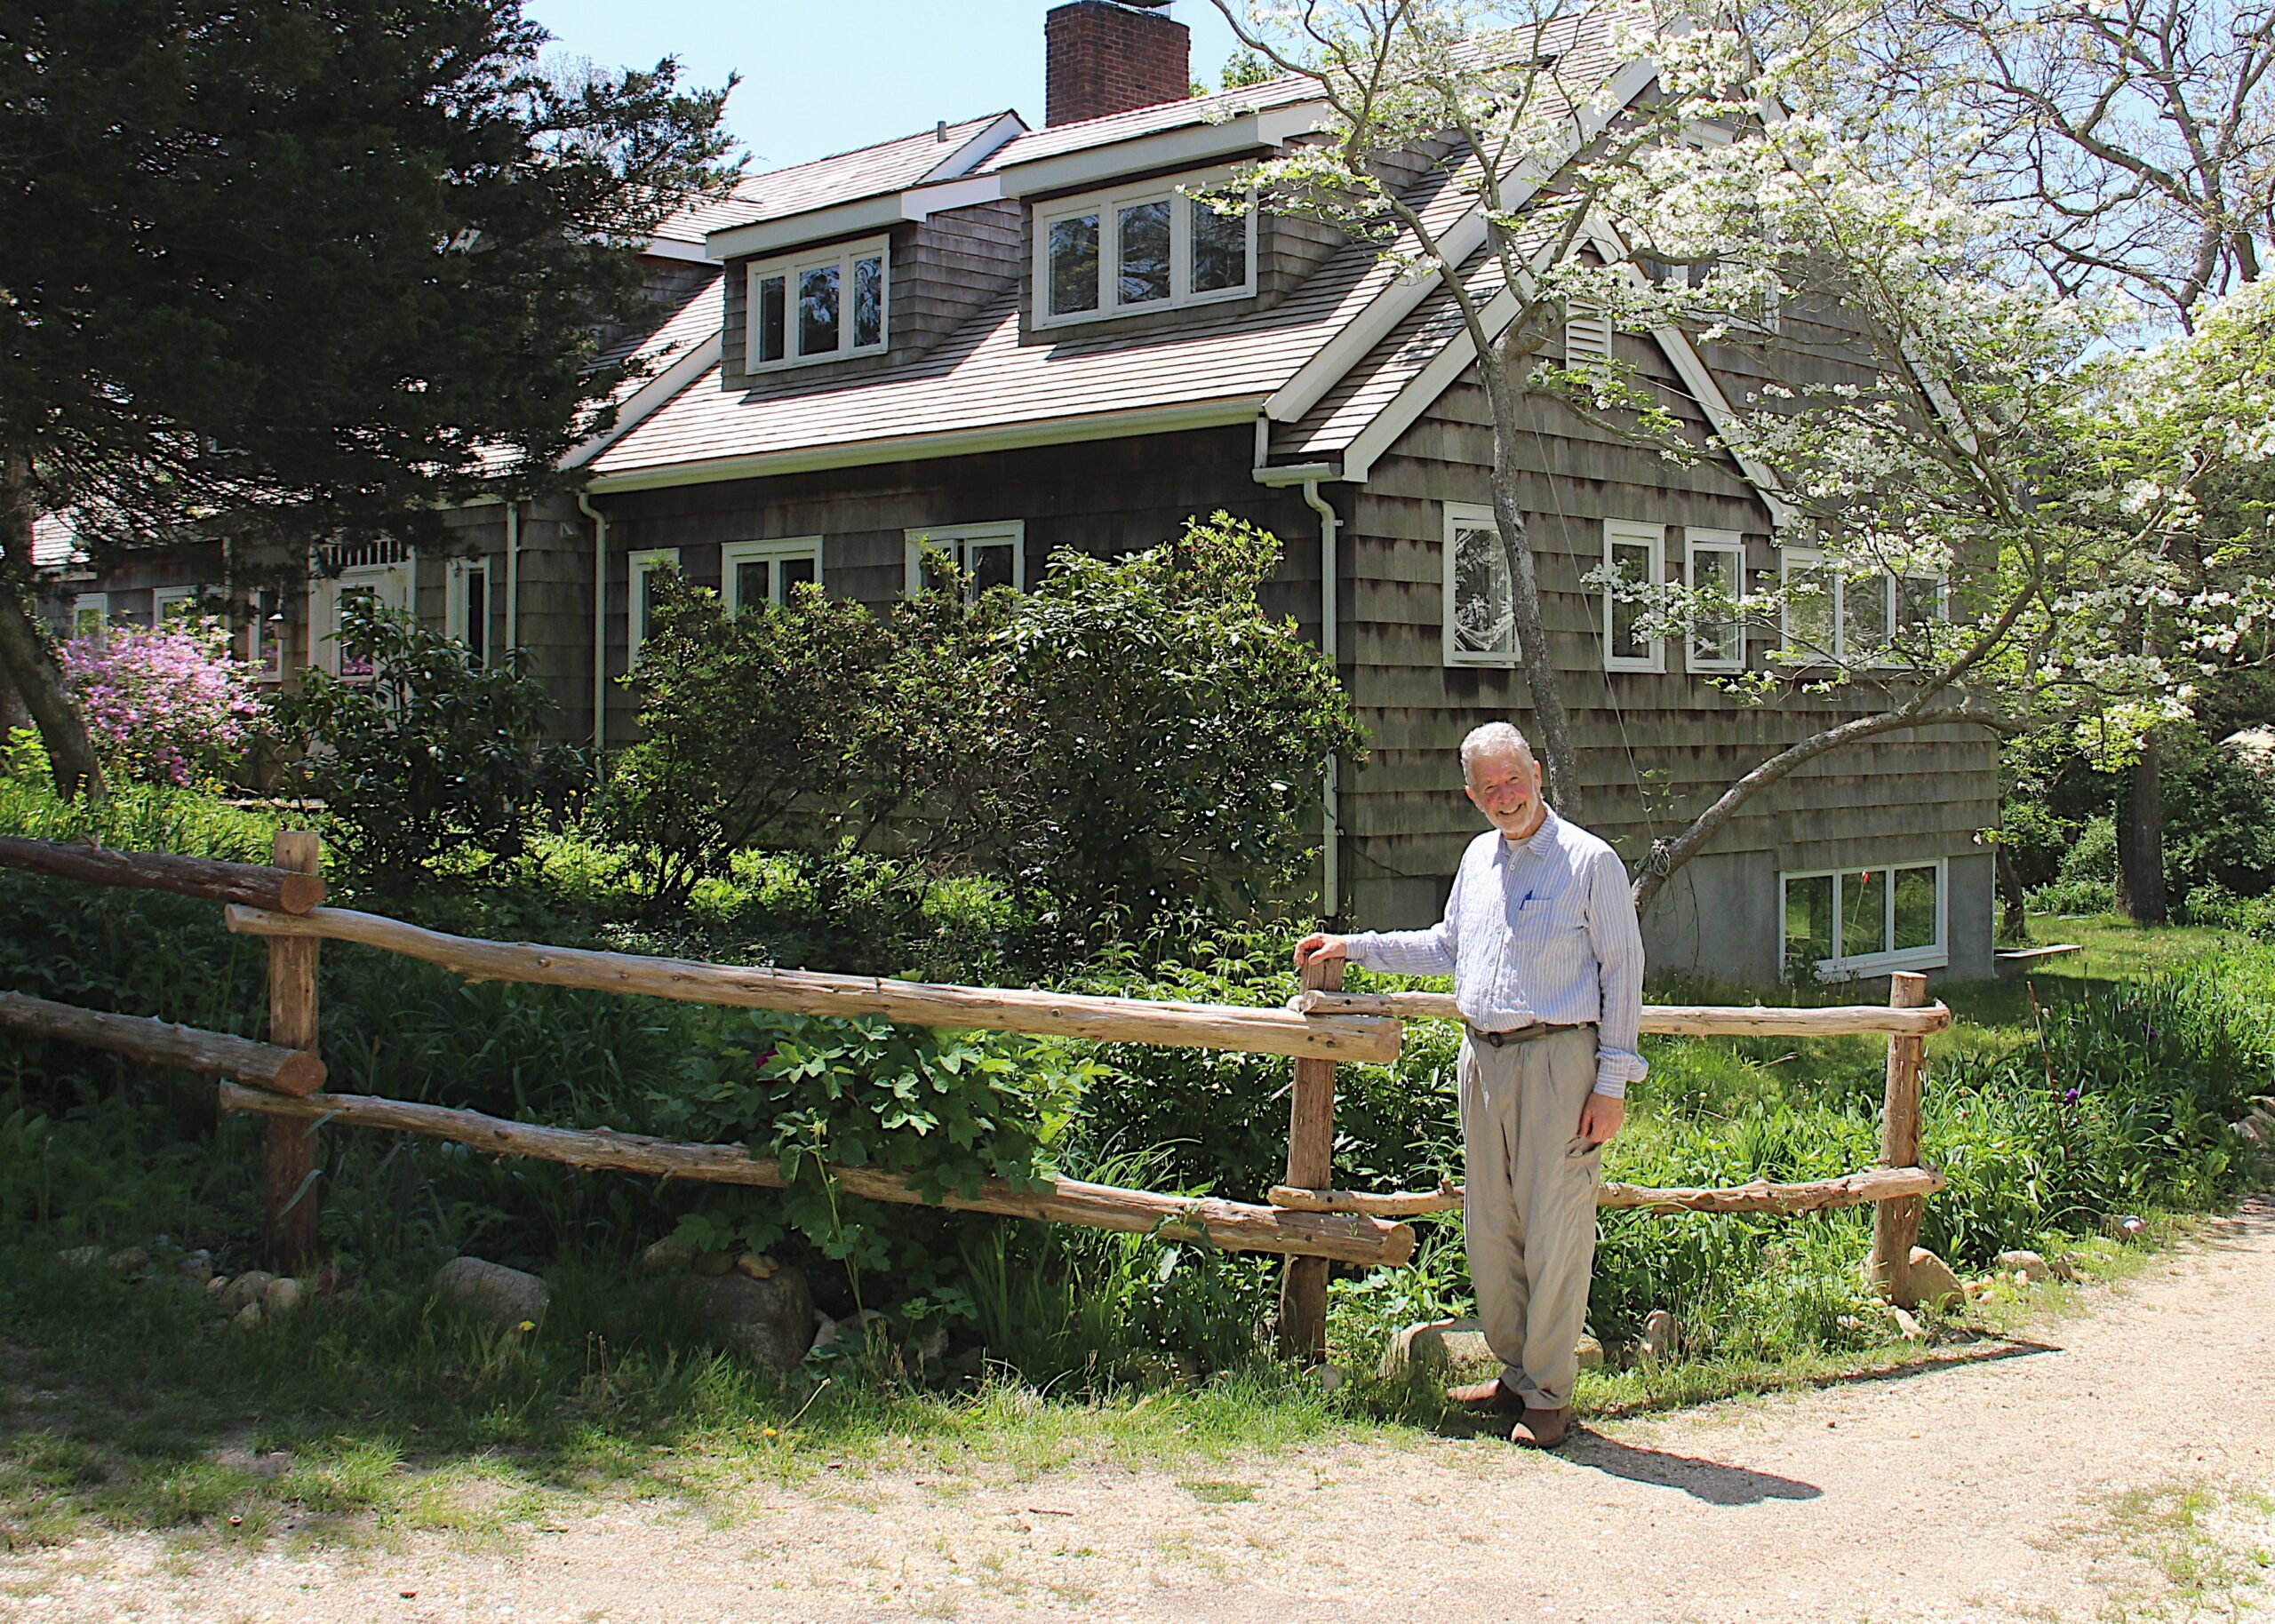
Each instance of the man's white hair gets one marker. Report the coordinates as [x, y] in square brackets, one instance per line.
[1493, 742]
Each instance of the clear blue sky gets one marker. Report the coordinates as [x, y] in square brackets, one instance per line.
[821, 78]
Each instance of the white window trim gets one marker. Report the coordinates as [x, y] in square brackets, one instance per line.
[1936, 956]
[1797, 560]
[265, 643]
[99, 603]
[1633, 532]
[1461, 516]
[1107, 206]
[637, 570]
[734, 554]
[457, 601]
[162, 596]
[955, 537]
[390, 582]
[788, 267]
[1731, 544]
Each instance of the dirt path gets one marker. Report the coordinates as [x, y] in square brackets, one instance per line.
[2040, 1486]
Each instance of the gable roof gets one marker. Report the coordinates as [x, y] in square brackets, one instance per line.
[1335, 372]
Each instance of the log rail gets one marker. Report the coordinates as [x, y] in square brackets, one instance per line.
[1307, 1220]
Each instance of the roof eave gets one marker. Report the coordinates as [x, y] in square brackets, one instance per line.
[1188, 145]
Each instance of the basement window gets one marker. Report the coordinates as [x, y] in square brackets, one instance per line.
[1122, 253]
[823, 305]
[1843, 923]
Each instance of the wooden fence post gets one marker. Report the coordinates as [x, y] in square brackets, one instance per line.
[288, 1174]
[1311, 1166]
[1896, 1224]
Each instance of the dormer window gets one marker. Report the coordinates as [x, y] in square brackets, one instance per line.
[1126, 252]
[823, 305]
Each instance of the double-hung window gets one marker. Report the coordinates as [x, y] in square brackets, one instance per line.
[754, 574]
[1714, 563]
[265, 632]
[90, 614]
[988, 555]
[1831, 616]
[823, 305]
[1632, 554]
[466, 605]
[1862, 922]
[384, 585]
[1150, 248]
[172, 606]
[1480, 614]
[646, 568]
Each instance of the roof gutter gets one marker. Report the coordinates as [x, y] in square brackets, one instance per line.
[918, 447]
[600, 627]
[1308, 476]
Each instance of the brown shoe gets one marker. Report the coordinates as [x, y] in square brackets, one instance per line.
[1495, 1396]
[1542, 1428]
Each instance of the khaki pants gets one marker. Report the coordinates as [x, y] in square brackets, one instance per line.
[1530, 1210]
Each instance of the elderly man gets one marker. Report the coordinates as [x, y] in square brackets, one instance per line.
[1541, 939]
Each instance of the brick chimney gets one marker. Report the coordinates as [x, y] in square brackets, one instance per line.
[1100, 58]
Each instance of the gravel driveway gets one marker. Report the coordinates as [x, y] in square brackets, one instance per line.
[2117, 1471]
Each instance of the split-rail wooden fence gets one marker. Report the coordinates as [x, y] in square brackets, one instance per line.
[1306, 1218]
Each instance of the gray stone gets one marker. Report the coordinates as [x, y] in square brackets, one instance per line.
[770, 1322]
[506, 1297]
[2029, 1263]
[80, 1257]
[1448, 1350]
[828, 1333]
[128, 1259]
[246, 1318]
[667, 1256]
[195, 1269]
[1591, 1353]
[247, 1287]
[1932, 1281]
[282, 1296]
[1660, 1337]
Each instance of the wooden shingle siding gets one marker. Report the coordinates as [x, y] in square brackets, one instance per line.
[1105, 498]
[1656, 748]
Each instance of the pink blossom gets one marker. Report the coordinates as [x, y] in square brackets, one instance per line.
[163, 703]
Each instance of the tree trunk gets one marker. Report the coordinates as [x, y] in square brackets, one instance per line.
[24, 654]
[2140, 841]
[2015, 924]
[1551, 732]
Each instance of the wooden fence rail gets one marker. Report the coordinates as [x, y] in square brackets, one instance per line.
[1309, 1221]
[161, 1043]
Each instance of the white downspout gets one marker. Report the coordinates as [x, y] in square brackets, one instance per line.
[513, 574]
[1331, 842]
[599, 626]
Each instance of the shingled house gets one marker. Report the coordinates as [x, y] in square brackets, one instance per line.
[1006, 341]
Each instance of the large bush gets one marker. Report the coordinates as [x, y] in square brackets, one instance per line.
[1128, 740]
[165, 704]
[432, 753]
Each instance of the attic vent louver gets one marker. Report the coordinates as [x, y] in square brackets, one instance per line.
[1587, 336]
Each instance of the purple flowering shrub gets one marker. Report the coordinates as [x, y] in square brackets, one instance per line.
[164, 706]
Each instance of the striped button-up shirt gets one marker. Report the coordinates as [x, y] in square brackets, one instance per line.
[1537, 929]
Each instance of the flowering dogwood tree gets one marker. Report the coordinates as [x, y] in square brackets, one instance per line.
[1983, 545]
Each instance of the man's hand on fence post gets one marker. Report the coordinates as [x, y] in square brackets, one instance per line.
[1319, 944]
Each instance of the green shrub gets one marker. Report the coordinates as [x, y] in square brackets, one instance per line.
[424, 751]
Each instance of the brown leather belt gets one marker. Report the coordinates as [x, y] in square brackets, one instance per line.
[1526, 1034]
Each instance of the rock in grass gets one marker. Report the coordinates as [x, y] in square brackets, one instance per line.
[246, 1318]
[1591, 1353]
[195, 1269]
[506, 1297]
[667, 1256]
[1449, 1349]
[1659, 1339]
[770, 1322]
[1932, 1281]
[247, 1287]
[2030, 1264]
[128, 1259]
[281, 1296]
[757, 1266]
[80, 1257]
[1907, 1328]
